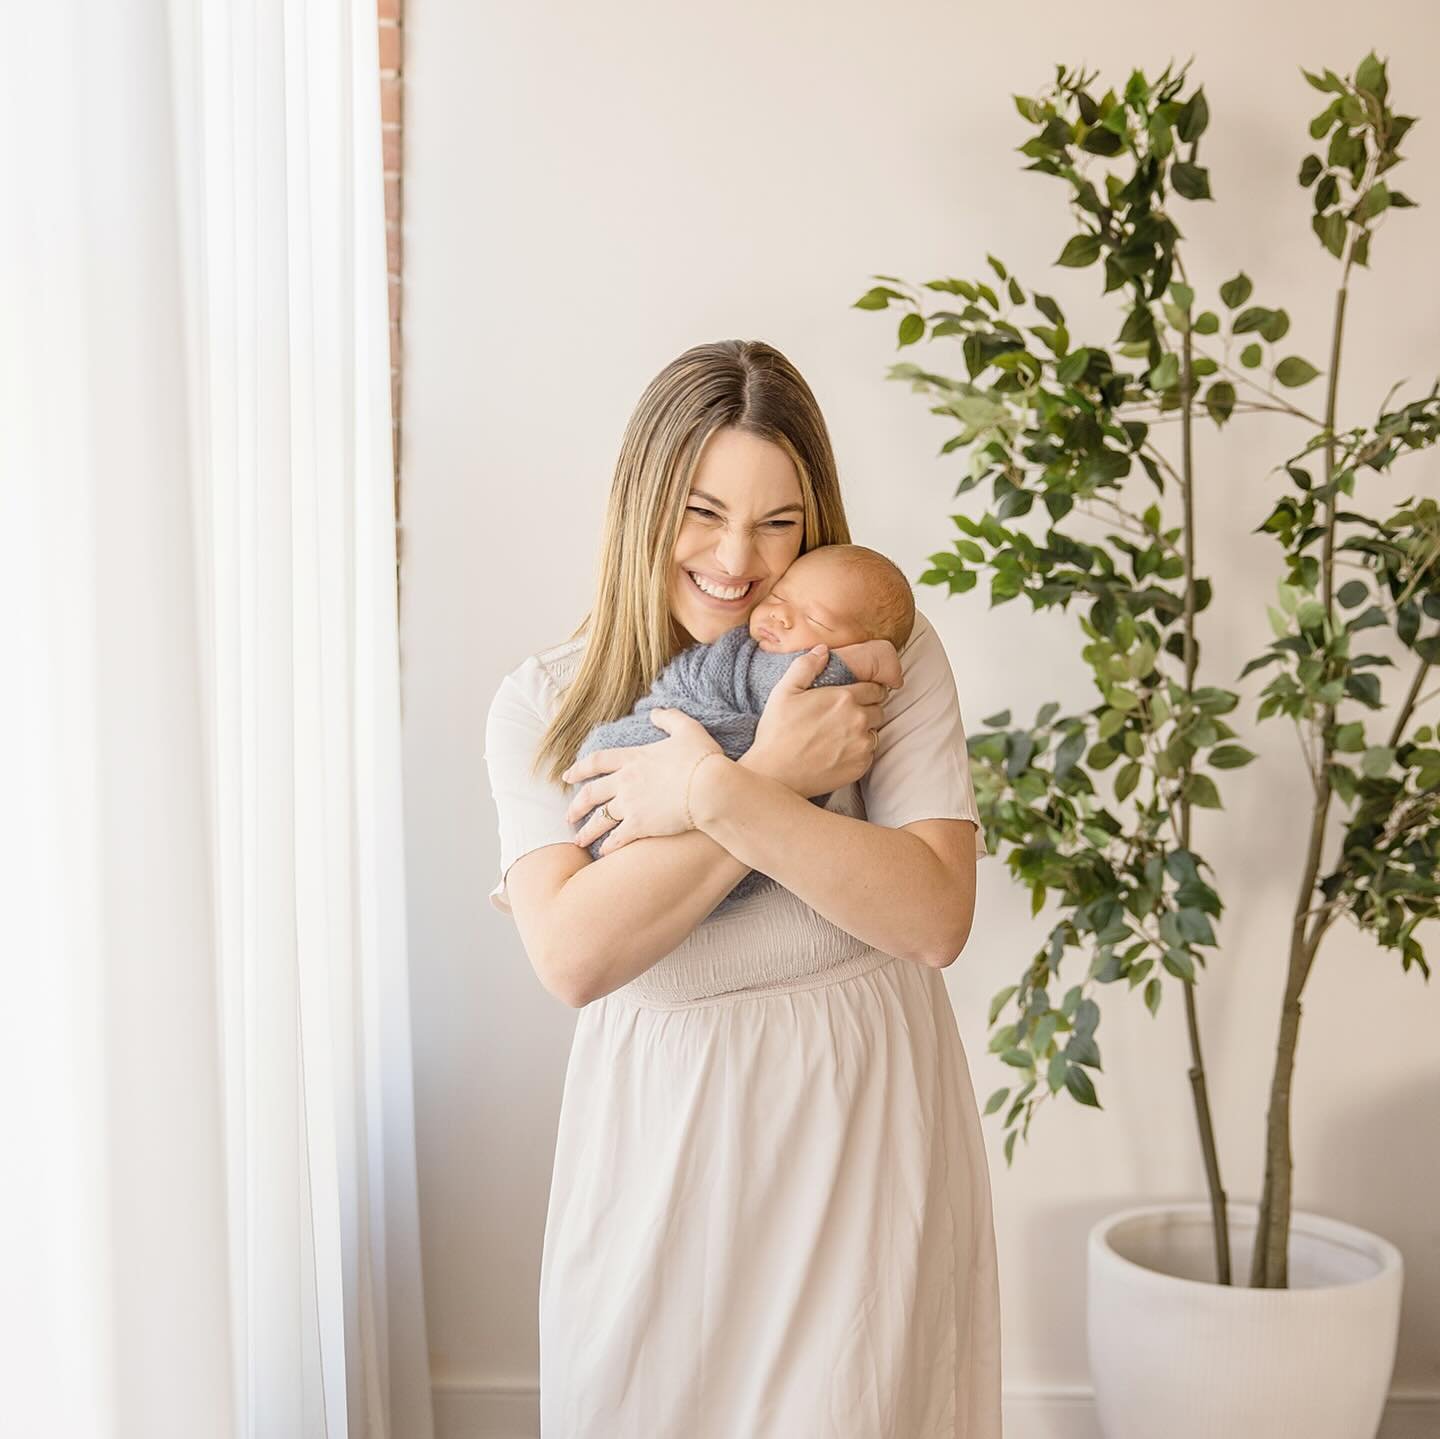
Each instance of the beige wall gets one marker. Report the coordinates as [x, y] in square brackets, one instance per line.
[591, 189]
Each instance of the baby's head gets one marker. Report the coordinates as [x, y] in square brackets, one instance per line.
[834, 595]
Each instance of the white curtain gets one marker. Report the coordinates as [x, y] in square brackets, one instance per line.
[208, 1200]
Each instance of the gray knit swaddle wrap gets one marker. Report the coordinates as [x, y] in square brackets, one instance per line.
[724, 685]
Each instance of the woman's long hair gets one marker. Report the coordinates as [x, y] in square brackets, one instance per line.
[741, 384]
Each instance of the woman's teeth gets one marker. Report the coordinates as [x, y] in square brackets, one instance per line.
[717, 592]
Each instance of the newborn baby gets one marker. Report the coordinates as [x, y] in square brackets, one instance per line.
[848, 597]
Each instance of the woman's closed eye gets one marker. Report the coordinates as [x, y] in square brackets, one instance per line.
[710, 514]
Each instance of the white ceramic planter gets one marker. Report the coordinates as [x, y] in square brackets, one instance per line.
[1174, 1355]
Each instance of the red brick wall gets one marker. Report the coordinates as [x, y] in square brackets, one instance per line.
[392, 36]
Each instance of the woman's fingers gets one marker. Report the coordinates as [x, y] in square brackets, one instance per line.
[599, 761]
[869, 692]
[870, 701]
[590, 796]
[593, 828]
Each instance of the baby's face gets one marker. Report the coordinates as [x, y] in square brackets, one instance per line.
[817, 601]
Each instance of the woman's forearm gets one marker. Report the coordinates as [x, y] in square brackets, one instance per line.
[635, 906]
[624, 914]
[885, 886]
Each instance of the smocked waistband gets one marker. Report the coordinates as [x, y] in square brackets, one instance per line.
[637, 995]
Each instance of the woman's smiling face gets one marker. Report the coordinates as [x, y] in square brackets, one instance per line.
[744, 524]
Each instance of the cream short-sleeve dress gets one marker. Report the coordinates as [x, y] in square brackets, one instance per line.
[769, 1215]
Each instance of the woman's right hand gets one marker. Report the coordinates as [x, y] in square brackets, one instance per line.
[815, 740]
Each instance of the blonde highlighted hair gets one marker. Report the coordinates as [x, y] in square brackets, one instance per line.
[740, 384]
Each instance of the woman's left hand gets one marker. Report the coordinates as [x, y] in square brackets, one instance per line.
[643, 785]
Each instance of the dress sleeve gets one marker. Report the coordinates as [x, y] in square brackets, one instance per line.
[921, 768]
[531, 810]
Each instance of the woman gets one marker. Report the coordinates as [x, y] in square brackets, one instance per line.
[769, 1216]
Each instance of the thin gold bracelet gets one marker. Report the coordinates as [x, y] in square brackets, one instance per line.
[690, 819]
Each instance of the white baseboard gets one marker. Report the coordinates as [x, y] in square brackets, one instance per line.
[489, 1409]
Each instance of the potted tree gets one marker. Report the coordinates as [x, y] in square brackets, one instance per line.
[1087, 449]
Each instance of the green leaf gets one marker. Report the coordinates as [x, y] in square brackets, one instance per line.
[1126, 780]
[1329, 82]
[1377, 760]
[1372, 202]
[1251, 355]
[1073, 366]
[1152, 995]
[1275, 325]
[1000, 1001]
[1179, 963]
[912, 327]
[1078, 1083]
[1220, 401]
[1310, 167]
[1235, 292]
[1080, 250]
[1230, 756]
[1324, 122]
[1352, 593]
[1193, 118]
[1350, 738]
[1343, 781]
[1167, 372]
[1191, 181]
[996, 1100]
[1200, 790]
[1292, 371]
[1194, 925]
[878, 298]
[1331, 231]
[952, 287]
[1207, 322]
[1048, 308]
[1370, 77]
[1179, 319]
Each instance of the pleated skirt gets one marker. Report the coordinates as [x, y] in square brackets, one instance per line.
[770, 1218]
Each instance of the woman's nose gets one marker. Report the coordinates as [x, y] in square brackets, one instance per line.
[733, 554]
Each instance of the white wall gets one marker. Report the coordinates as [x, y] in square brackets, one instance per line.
[590, 189]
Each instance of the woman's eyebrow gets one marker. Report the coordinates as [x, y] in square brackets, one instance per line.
[720, 504]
